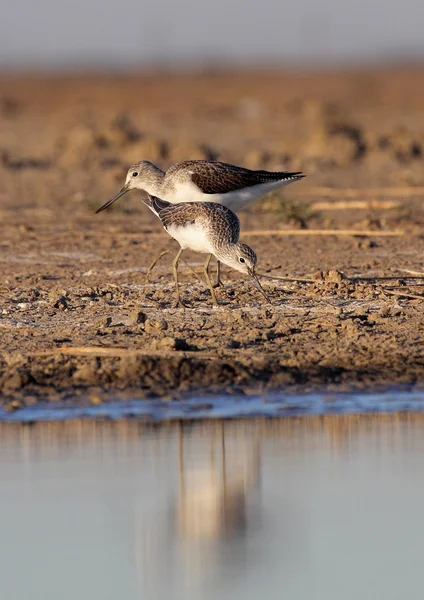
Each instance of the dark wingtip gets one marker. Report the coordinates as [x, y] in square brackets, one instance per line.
[295, 175]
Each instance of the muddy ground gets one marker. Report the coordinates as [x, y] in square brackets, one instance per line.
[77, 316]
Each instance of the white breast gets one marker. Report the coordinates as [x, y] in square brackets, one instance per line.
[237, 200]
[192, 237]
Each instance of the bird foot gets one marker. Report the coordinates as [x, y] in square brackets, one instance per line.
[180, 304]
[218, 284]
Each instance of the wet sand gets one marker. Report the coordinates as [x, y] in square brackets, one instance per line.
[77, 315]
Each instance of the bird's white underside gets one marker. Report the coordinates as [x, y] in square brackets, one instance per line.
[193, 237]
[187, 191]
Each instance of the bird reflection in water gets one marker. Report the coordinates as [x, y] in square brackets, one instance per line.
[210, 518]
[216, 500]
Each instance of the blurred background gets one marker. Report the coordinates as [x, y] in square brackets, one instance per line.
[96, 34]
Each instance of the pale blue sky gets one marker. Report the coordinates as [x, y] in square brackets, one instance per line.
[112, 33]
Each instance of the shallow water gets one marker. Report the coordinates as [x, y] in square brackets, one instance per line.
[320, 507]
[278, 404]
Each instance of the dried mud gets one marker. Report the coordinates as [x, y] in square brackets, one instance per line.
[77, 316]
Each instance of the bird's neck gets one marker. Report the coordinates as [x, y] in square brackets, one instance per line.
[153, 180]
[225, 254]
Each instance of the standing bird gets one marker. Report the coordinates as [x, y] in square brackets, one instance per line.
[208, 228]
[203, 181]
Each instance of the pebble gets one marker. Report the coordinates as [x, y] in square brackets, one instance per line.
[61, 303]
[138, 317]
[151, 326]
[166, 343]
[13, 405]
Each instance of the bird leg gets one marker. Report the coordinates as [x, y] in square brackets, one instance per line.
[208, 279]
[157, 259]
[179, 303]
[219, 282]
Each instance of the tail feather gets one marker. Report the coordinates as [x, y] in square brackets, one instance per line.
[266, 176]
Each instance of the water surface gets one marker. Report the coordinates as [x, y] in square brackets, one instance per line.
[193, 407]
[320, 507]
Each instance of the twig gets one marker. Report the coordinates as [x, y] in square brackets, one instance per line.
[295, 279]
[402, 294]
[354, 204]
[377, 278]
[417, 273]
[400, 288]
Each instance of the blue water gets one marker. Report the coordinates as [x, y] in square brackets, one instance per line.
[225, 407]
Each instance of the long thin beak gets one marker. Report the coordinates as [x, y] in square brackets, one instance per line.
[258, 284]
[121, 192]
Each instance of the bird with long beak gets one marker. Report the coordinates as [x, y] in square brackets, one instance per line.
[203, 181]
[208, 228]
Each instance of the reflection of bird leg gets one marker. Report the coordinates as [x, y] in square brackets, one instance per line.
[257, 462]
[224, 466]
[181, 456]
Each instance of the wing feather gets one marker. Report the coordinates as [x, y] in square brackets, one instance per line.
[221, 178]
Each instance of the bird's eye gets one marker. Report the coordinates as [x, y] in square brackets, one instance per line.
[135, 174]
[241, 259]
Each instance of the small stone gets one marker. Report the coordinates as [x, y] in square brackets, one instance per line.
[181, 344]
[334, 276]
[13, 405]
[317, 276]
[365, 244]
[14, 382]
[151, 326]
[384, 312]
[61, 303]
[95, 399]
[234, 344]
[138, 317]
[167, 343]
